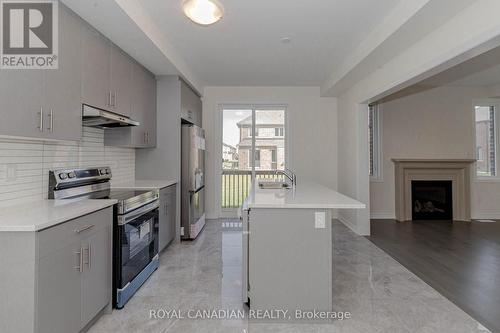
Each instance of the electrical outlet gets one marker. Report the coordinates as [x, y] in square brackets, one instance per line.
[319, 220]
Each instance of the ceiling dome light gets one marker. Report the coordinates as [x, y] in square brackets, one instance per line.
[204, 12]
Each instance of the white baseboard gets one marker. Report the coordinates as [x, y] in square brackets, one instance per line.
[347, 222]
[382, 216]
[486, 216]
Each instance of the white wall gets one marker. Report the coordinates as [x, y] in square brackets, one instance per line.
[32, 160]
[436, 123]
[353, 161]
[455, 41]
[311, 135]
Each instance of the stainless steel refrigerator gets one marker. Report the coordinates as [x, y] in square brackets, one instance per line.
[192, 181]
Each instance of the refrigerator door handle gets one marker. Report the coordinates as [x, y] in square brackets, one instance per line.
[197, 190]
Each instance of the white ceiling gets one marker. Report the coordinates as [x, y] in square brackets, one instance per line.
[244, 48]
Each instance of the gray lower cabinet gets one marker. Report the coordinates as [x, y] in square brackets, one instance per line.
[59, 289]
[96, 287]
[167, 216]
[59, 278]
[282, 249]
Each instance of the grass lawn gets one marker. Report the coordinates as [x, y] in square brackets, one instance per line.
[235, 188]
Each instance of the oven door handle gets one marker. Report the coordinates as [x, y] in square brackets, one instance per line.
[127, 218]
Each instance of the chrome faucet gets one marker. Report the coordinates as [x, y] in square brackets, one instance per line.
[288, 174]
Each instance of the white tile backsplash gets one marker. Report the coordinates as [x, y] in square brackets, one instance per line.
[25, 165]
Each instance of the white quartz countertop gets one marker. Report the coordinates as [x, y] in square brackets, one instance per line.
[42, 214]
[144, 184]
[305, 195]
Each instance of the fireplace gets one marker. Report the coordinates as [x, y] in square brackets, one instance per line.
[432, 199]
[454, 171]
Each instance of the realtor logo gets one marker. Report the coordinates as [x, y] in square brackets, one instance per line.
[29, 38]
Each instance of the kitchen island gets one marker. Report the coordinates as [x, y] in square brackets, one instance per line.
[287, 246]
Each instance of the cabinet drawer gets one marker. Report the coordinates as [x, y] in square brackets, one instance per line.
[62, 235]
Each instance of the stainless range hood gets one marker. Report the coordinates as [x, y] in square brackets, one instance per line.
[94, 117]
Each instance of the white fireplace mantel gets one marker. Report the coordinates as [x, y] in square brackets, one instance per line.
[456, 170]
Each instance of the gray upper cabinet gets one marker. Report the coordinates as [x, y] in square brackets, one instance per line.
[120, 81]
[46, 103]
[106, 74]
[96, 70]
[191, 105]
[149, 101]
[143, 109]
[62, 87]
[21, 103]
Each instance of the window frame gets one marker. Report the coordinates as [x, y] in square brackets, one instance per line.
[257, 152]
[489, 102]
[376, 176]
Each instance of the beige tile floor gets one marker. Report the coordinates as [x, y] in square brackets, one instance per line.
[205, 274]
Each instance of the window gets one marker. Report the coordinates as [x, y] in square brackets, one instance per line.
[374, 144]
[250, 150]
[278, 131]
[486, 145]
[274, 159]
[257, 158]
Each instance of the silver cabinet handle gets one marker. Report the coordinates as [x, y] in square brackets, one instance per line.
[89, 255]
[147, 137]
[87, 227]
[51, 124]
[40, 125]
[80, 260]
[114, 99]
[109, 98]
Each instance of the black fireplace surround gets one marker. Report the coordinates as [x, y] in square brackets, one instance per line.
[432, 199]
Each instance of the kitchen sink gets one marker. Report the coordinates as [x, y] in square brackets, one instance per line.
[273, 185]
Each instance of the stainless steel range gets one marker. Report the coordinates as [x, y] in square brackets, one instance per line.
[135, 230]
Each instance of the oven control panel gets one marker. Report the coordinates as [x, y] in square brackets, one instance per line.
[68, 177]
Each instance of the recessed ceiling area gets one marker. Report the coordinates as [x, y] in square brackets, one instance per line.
[482, 70]
[246, 47]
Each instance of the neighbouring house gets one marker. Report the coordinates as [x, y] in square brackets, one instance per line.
[269, 141]
[485, 141]
[229, 157]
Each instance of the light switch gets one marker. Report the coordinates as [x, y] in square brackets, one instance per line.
[11, 172]
[319, 220]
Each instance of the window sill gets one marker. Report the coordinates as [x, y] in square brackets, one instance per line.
[376, 179]
[486, 180]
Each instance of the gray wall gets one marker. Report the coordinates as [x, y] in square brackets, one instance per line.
[164, 161]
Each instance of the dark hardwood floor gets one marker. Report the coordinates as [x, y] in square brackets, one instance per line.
[461, 260]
